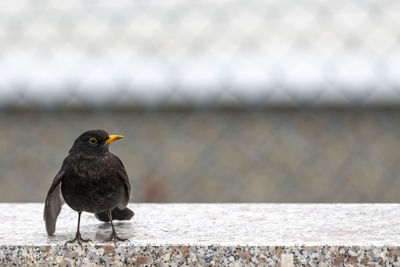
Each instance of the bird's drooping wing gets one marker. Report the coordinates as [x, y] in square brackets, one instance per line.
[54, 201]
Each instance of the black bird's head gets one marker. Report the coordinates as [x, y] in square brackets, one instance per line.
[93, 142]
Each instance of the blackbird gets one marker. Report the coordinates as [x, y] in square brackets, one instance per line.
[91, 179]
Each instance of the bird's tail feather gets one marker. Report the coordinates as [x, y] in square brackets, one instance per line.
[116, 213]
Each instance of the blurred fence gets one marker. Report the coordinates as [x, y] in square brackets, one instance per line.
[203, 53]
[212, 156]
[125, 66]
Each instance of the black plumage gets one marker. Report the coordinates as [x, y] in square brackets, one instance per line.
[91, 179]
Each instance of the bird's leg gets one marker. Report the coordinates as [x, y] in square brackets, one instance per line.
[114, 237]
[78, 237]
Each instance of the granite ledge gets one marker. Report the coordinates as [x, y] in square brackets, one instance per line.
[210, 234]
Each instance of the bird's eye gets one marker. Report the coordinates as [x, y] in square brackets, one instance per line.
[92, 141]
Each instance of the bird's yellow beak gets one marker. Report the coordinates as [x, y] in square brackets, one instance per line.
[113, 138]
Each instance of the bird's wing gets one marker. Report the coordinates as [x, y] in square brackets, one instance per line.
[124, 177]
[54, 201]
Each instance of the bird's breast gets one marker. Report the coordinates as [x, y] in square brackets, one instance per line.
[91, 169]
[91, 185]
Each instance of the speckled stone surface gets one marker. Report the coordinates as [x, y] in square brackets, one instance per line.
[210, 234]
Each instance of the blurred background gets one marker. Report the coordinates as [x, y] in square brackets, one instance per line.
[219, 101]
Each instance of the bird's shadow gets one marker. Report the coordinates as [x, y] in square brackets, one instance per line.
[124, 229]
[102, 232]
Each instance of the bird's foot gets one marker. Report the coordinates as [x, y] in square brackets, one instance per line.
[114, 237]
[78, 239]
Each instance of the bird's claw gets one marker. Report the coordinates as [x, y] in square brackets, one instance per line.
[114, 237]
[78, 239]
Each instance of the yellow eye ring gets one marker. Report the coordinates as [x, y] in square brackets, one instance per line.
[92, 141]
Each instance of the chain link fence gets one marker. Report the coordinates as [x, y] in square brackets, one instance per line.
[230, 101]
[152, 53]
